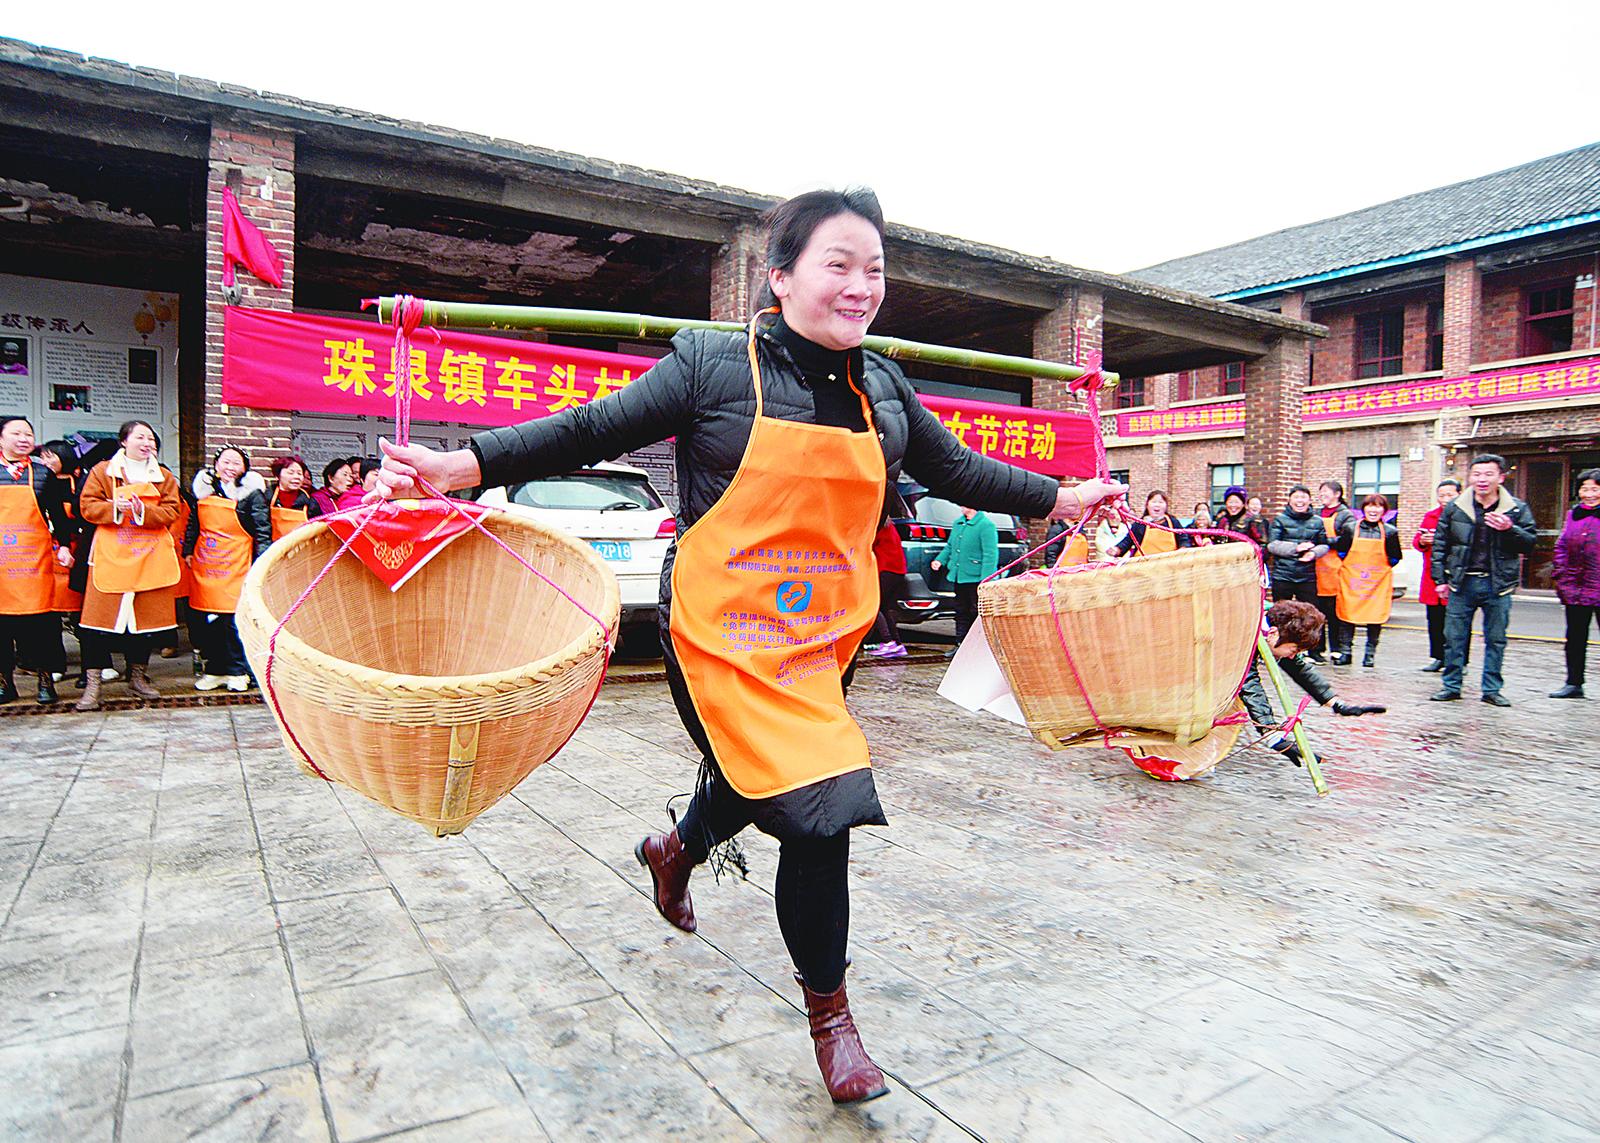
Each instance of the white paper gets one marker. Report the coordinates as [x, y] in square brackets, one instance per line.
[975, 682]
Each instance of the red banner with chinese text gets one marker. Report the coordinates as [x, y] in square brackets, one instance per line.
[313, 364]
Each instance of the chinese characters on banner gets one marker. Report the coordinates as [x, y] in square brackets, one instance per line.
[312, 364]
[1579, 378]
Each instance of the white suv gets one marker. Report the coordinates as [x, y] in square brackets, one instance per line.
[618, 511]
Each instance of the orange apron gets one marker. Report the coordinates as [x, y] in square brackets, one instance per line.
[1076, 552]
[126, 557]
[221, 557]
[1366, 583]
[179, 529]
[286, 520]
[1156, 541]
[63, 597]
[1328, 565]
[27, 554]
[773, 590]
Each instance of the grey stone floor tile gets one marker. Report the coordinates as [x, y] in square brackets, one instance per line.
[1424, 1100]
[501, 990]
[347, 938]
[1530, 1125]
[437, 882]
[1336, 1124]
[1528, 1067]
[213, 1018]
[278, 1106]
[500, 1124]
[16, 858]
[92, 902]
[1252, 1109]
[48, 989]
[61, 1089]
[1032, 1095]
[198, 914]
[598, 1071]
[402, 1053]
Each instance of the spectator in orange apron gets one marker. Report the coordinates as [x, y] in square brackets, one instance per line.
[1147, 541]
[789, 437]
[1428, 593]
[231, 526]
[1336, 515]
[131, 501]
[1368, 551]
[35, 542]
[292, 504]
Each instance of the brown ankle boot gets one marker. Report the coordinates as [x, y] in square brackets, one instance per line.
[662, 854]
[139, 683]
[847, 1070]
[91, 693]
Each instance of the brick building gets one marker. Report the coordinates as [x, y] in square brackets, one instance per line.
[1460, 320]
[112, 223]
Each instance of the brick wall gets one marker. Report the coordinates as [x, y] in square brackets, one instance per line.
[258, 163]
[1463, 295]
[1274, 388]
[1335, 355]
[1500, 323]
[1190, 479]
[1328, 456]
[1069, 333]
[737, 274]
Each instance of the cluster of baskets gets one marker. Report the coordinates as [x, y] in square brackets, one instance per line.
[437, 699]
[1150, 651]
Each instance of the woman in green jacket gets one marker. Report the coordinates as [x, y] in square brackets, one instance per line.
[969, 557]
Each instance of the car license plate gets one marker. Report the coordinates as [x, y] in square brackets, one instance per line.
[613, 549]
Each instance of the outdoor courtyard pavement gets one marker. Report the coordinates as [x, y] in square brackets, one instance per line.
[196, 940]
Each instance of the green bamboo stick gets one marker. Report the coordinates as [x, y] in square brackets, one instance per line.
[1300, 739]
[602, 323]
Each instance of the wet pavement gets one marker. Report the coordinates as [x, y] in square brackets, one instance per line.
[197, 940]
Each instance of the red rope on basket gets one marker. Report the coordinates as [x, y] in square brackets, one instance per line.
[407, 317]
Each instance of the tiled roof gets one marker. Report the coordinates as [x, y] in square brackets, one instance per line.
[1546, 190]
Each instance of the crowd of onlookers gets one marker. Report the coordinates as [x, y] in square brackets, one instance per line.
[108, 544]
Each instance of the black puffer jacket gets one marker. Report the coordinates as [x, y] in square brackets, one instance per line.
[1288, 530]
[702, 394]
[1452, 542]
[1359, 527]
[1298, 668]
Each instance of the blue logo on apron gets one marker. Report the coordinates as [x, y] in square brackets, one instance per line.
[794, 595]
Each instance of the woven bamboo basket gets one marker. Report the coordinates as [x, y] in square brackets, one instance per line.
[437, 699]
[1161, 642]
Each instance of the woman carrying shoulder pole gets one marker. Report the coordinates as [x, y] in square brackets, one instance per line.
[788, 436]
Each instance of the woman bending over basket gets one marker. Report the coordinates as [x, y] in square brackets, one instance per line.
[789, 437]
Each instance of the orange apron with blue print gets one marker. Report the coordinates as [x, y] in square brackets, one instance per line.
[1366, 583]
[1328, 565]
[1156, 542]
[27, 554]
[773, 590]
[180, 529]
[222, 556]
[127, 557]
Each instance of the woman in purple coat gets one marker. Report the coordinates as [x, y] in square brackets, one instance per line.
[1577, 576]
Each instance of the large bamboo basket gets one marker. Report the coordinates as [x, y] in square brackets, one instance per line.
[1161, 641]
[437, 699]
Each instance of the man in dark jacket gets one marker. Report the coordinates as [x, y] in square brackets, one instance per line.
[1296, 540]
[1478, 547]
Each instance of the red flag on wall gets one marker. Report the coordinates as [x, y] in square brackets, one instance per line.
[242, 241]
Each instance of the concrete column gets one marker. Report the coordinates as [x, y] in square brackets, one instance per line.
[737, 273]
[257, 163]
[1274, 387]
[1463, 306]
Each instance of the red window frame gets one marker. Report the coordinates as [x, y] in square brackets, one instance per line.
[1435, 328]
[1390, 357]
[1129, 393]
[1233, 379]
[1554, 302]
[1183, 388]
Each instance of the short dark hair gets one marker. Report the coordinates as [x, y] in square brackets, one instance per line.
[9, 417]
[1451, 481]
[1152, 494]
[1299, 488]
[792, 222]
[62, 451]
[1296, 622]
[1338, 489]
[369, 464]
[1587, 475]
[332, 467]
[1377, 498]
[284, 462]
[1493, 458]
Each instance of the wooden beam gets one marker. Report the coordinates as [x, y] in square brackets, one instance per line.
[1200, 330]
[163, 135]
[951, 274]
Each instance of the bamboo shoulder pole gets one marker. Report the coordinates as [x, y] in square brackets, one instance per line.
[1307, 755]
[601, 323]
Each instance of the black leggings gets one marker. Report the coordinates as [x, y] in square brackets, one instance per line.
[812, 892]
[891, 589]
[32, 642]
[98, 645]
[1578, 620]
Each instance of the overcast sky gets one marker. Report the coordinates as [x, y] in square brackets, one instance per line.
[1108, 138]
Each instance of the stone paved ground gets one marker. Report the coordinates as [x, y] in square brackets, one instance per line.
[195, 940]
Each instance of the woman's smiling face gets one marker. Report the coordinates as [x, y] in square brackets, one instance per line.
[836, 286]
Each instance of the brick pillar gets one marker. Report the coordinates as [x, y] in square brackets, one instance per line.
[1275, 384]
[1068, 333]
[737, 273]
[258, 164]
[1463, 306]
